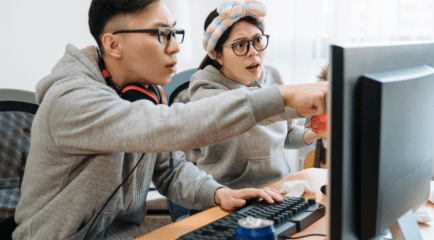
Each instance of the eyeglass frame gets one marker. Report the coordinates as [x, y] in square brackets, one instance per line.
[248, 44]
[172, 32]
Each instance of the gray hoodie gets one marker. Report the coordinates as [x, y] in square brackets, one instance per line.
[86, 140]
[256, 157]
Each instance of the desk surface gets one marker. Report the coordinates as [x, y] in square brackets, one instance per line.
[317, 177]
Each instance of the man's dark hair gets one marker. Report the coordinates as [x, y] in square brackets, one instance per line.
[101, 11]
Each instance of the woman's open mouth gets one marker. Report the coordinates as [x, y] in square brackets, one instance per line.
[254, 66]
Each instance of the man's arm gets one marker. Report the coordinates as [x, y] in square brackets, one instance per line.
[190, 187]
[307, 99]
[89, 119]
[184, 184]
[93, 119]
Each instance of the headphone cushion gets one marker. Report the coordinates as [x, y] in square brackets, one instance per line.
[133, 92]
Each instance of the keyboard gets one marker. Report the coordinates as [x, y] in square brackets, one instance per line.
[289, 217]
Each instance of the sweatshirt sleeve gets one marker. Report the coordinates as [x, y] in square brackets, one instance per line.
[288, 115]
[273, 76]
[294, 138]
[87, 117]
[184, 184]
[202, 87]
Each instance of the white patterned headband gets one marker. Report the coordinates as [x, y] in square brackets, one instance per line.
[230, 13]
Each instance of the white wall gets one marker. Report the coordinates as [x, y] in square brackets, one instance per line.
[34, 35]
[190, 15]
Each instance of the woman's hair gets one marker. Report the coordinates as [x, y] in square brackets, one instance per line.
[102, 11]
[322, 77]
[218, 48]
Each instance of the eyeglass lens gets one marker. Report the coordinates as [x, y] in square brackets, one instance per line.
[242, 47]
[165, 34]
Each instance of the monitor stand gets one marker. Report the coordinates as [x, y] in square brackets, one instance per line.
[406, 228]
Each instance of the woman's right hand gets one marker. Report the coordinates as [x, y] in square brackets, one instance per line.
[307, 99]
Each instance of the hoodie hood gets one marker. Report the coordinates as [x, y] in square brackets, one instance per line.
[211, 78]
[74, 61]
[213, 74]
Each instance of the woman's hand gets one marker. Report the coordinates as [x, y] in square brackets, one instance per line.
[310, 136]
[230, 199]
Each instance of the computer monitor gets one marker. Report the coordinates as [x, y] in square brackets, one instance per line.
[381, 137]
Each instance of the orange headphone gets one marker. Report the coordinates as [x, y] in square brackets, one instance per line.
[134, 91]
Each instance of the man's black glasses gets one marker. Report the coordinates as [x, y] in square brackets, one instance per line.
[242, 47]
[164, 33]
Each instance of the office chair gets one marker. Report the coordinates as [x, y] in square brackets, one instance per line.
[177, 92]
[178, 84]
[17, 109]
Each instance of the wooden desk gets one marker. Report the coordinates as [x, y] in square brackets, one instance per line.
[317, 177]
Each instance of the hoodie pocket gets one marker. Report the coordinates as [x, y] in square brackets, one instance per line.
[261, 171]
[100, 225]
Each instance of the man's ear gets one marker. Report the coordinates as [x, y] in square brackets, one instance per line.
[217, 56]
[111, 45]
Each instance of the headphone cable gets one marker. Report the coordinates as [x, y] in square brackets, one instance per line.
[126, 178]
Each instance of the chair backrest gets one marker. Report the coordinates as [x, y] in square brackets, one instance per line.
[176, 90]
[17, 110]
[178, 84]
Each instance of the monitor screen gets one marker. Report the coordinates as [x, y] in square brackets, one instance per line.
[381, 140]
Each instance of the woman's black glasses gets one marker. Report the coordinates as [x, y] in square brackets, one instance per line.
[164, 33]
[242, 47]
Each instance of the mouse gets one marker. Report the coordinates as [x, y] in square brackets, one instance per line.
[324, 189]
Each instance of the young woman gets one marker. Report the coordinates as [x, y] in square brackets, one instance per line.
[236, 44]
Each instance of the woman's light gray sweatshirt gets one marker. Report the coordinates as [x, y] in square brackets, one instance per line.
[85, 140]
[256, 157]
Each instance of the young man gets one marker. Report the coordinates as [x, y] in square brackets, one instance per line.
[86, 140]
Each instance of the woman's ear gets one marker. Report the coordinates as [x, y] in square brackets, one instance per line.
[111, 45]
[217, 56]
